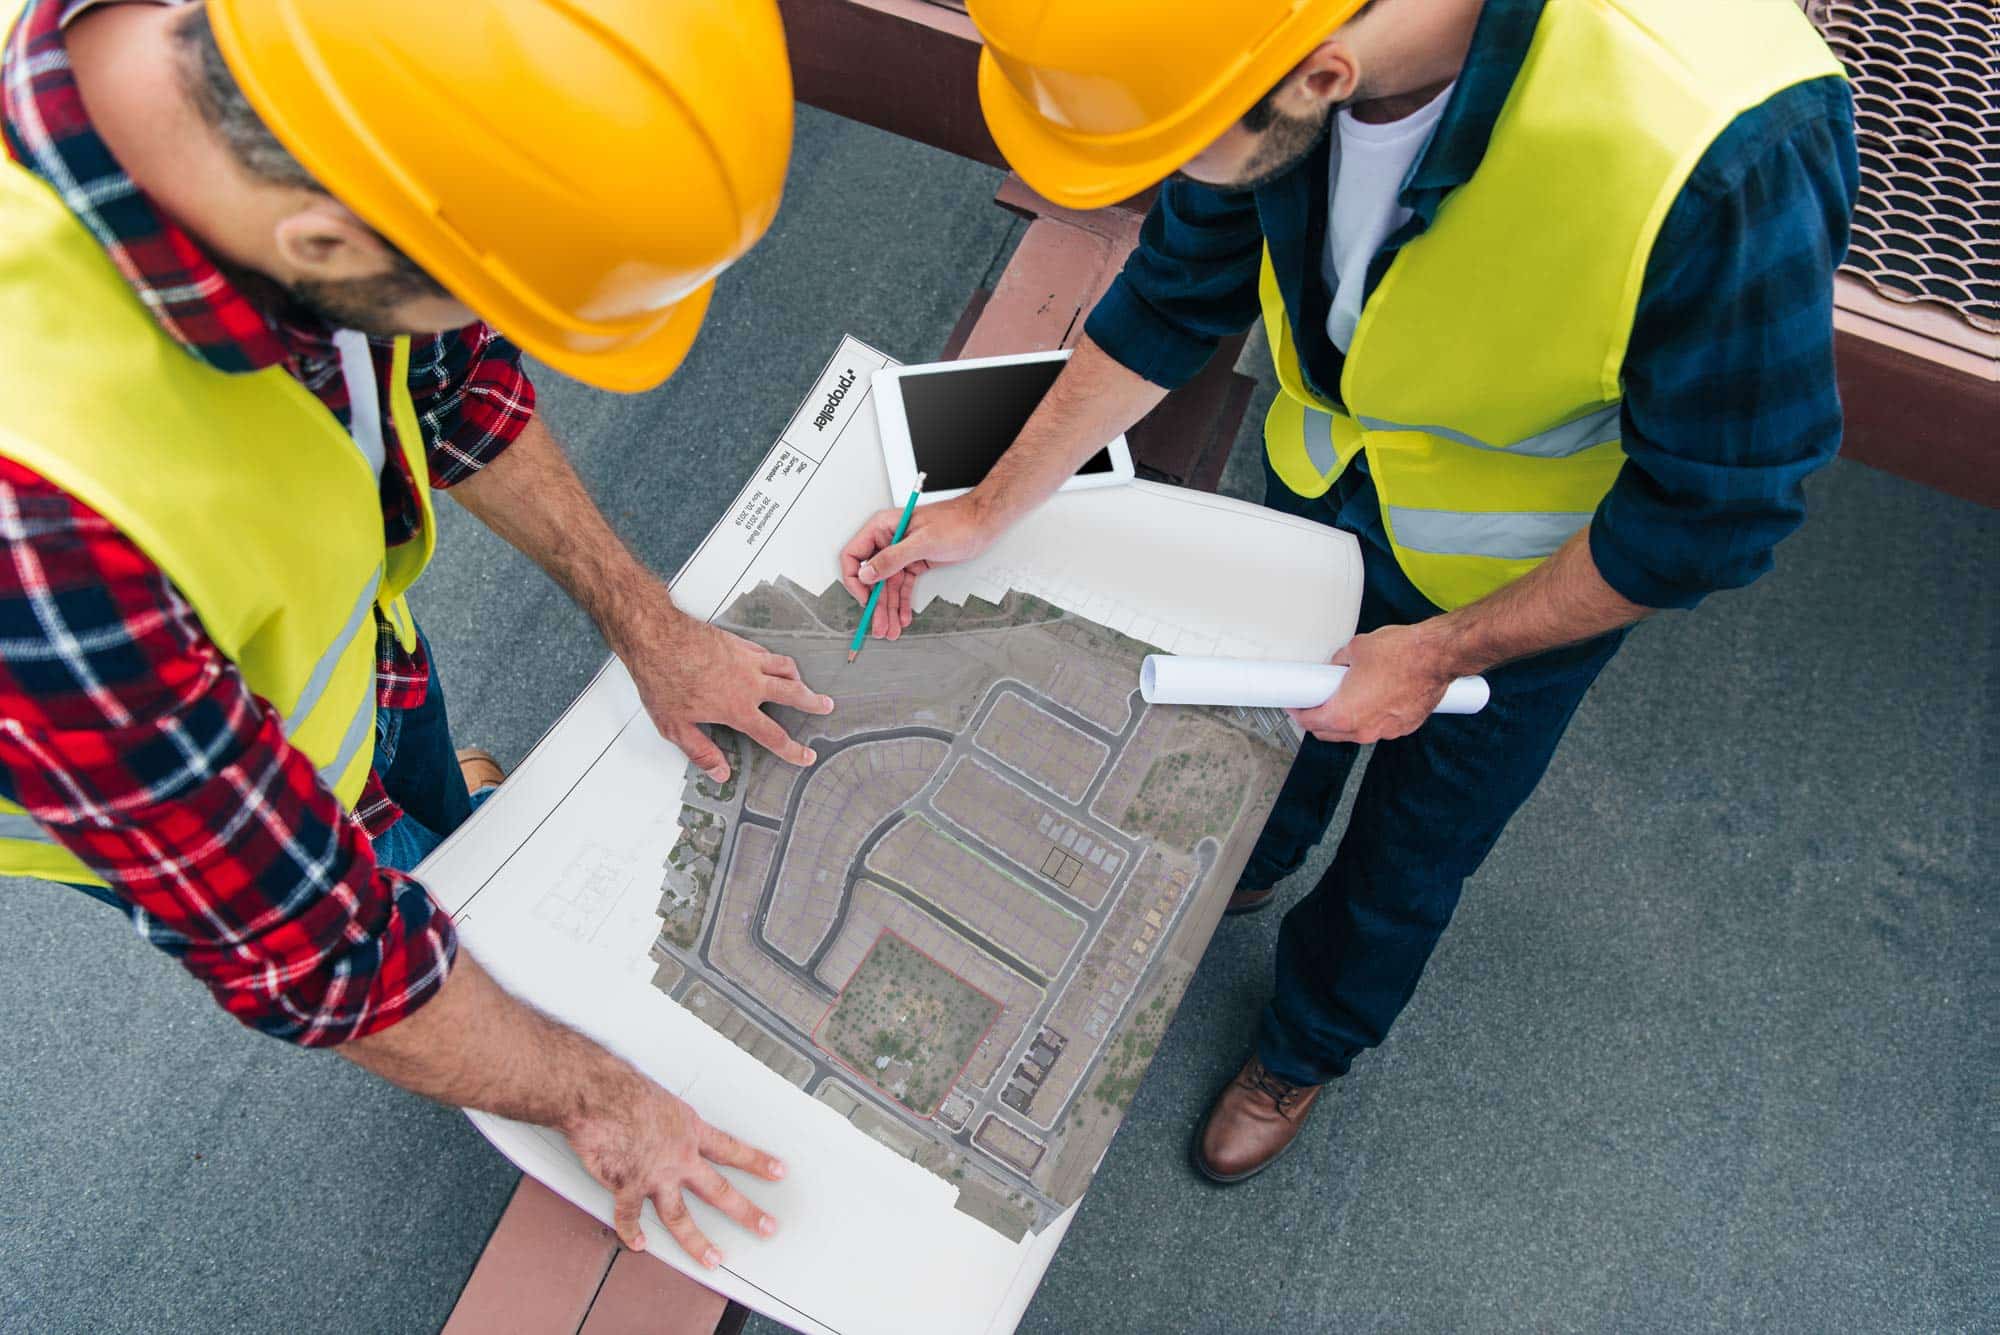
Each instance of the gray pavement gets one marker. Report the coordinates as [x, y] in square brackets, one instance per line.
[1708, 1047]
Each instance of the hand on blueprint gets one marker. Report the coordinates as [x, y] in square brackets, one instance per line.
[690, 673]
[650, 1146]
[940, 533]
[1394, 680]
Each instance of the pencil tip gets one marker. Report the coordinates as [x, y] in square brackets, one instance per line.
[853, 654]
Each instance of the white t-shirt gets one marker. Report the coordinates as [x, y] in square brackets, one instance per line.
[1370, 164]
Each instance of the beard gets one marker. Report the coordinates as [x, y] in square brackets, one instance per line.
[368, 305]
[1287, 141]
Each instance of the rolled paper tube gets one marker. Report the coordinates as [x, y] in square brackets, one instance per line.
[1170, 679]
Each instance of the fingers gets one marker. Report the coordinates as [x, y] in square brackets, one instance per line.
[777, 665]
[789, 691]
[719, 1146]
[899, 600]
[878, 624]
[873, 537]
[674, 1214]
[764, 730]
[894, 557]
[1325, 723]
[702, 753]
[625, 1216]
[717, 1190]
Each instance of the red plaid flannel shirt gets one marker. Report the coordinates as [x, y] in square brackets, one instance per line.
[123, 730]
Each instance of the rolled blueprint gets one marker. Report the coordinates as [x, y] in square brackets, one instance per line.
[1170, 679]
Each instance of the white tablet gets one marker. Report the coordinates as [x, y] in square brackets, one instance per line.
[952, 421]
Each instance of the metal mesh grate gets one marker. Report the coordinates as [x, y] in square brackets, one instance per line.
[1927, 118]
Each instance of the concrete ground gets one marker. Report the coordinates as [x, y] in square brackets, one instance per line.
[1710, 1045]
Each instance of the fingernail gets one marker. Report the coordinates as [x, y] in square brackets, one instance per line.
[777, 1169]
[826, 703]
[812, 757]
[637, 1242]
[867, 571]
[711, 1258]
[767, 1226]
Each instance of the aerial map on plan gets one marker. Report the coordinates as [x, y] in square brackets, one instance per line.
[966, 927]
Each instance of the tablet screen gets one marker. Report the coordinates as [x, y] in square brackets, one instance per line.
[962, 421]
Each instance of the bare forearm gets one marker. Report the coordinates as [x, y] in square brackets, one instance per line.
[532, 497]
[475, 1046]
[1562, 601]
[1094, 400]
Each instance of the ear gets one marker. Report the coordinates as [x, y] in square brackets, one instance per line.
[1329, 75]
[323, 241]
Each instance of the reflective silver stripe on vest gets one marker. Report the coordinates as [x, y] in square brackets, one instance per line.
[323, 670]
[20, 825]
[1319, 442]
[1558, 442]
[1511, 535]
[357, 730]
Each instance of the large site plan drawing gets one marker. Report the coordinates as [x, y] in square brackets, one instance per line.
[966, 926]
[929, 971]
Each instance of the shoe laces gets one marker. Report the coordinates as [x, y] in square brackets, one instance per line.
[1282, 1093]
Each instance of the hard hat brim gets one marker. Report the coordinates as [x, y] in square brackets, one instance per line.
[635, 365]
[631, 368]
[1081, 171]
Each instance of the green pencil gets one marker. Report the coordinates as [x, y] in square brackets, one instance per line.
[874, 594]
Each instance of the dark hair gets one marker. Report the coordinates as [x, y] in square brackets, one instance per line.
[216, 94]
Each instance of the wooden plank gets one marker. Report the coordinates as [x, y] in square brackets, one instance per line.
[1919, 419]
[643, 1295]
[540, 1271]
[1056, 275]
[903, 66]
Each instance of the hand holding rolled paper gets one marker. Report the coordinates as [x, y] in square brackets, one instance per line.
[1173, 679]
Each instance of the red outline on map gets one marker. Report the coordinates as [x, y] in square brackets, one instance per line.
[999, 1009]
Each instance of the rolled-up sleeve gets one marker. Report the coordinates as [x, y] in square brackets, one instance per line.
[473, 397]
[1730, 394]
[136, 744]
[1190, 283]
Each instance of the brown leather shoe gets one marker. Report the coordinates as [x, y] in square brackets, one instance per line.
[1249, 901]
[479, 769]
[1254, 1120]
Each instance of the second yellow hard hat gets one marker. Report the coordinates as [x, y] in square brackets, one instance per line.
[577, 174]
[1092, 103]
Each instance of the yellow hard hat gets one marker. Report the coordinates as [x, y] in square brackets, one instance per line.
[1092, 103]
[576, 173]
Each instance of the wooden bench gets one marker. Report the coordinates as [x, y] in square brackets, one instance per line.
[550, 1269]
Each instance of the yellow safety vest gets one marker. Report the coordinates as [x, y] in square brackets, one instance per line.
[1483, 382]
[242, 488]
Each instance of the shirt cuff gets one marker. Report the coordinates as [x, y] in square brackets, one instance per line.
[470, 426]
[392, 958]
[1628, 576]
[1144, 341]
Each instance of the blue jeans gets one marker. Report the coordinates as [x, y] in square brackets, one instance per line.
[419, 768]
[1431, 807]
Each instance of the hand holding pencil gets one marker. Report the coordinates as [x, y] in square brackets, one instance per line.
[875, 594]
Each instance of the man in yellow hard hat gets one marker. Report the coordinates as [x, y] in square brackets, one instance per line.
[241, 249]
[1548, 288]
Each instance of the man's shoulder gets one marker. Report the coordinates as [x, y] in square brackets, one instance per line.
[1812, 119]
